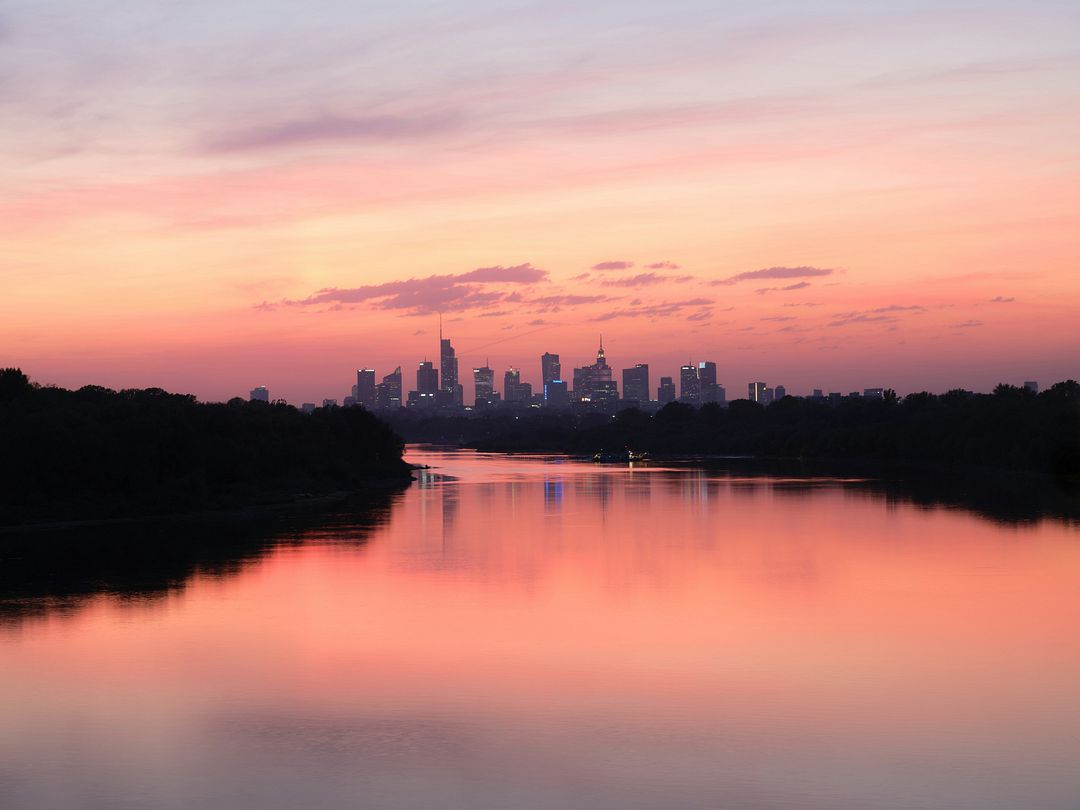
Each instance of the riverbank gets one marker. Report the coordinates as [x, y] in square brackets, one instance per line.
[98, 455]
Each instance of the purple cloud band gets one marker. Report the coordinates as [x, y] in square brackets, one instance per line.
[774, 272]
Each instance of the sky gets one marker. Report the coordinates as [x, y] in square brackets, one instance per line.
[209, 196]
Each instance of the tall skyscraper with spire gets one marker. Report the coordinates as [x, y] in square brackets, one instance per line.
[451, 392]
[593, 383]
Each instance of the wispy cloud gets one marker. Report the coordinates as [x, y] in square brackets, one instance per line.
[446, 293]
[967, 324]
[775, 272]
[663, 309]
[646, 279]
[326, 128]
[1000, 299]
[613, 265]
[800, 285]
[555, 303]
[662, 266]
[886, 314]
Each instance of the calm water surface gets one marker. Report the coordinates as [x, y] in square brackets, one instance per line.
[540, 633]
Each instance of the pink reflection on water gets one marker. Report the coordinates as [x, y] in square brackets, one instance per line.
[538, 633]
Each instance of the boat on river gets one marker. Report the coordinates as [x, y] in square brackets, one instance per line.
[620, 457]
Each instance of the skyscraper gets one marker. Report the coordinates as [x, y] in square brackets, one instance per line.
[260, 394]
[587, 379]
[756, 391]
[427, 379]
[666, 392]
[388, 392]
[514, 390]
[365, 387]
[689, 384]
[452, 392]
[484, 379]
[779, 392]
[709, 390]
[555, 394]
[550, 369]
[635, 383]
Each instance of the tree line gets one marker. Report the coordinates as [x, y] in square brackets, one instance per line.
[1012, 428]
[99, 453]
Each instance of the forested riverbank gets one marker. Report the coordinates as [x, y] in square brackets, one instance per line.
[95, 454]
[1010, 429]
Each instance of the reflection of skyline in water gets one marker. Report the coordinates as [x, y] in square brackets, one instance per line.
[516, 632]
[55, 572]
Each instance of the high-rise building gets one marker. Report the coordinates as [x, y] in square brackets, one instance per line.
[779, 392]
[388, 392]
[689, 384]
[365, 387]
[710, 390]
[556, 394]
[427, 379]
[757, 392]
[635, 383]
[514, 390]
[260, 393]
[484, 380]
[605, 394]
[452, 391]
[1032, 386]
[666, 392]
[868, 393]
[550, 369]
[588, 378]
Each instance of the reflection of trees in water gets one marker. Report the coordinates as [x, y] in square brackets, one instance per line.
[1000, 496]
[60, 571]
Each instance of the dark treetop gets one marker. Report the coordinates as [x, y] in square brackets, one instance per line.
[1012, 428]
[97, 453]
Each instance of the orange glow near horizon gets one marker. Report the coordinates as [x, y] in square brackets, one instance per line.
[166, 213]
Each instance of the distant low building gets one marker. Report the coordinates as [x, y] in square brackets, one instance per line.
[260, 393]
[873, 393]
[1032, 386]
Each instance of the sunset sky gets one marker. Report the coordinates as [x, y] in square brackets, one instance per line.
[208, 196]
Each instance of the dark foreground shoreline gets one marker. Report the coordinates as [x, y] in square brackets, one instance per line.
[97, 456]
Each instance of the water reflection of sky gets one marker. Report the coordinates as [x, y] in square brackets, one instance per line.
[516, 632]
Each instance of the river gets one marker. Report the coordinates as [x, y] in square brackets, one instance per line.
[536, 632]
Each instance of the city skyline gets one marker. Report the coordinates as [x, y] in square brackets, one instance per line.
[697, 384]
[818, 193]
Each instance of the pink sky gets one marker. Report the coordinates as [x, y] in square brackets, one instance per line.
[209, 203]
